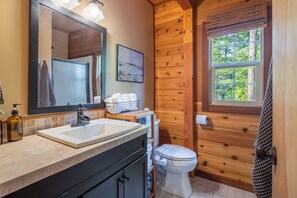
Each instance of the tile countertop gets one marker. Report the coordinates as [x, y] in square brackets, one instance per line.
[35, 158]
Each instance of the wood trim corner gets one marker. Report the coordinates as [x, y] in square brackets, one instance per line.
[186, 4]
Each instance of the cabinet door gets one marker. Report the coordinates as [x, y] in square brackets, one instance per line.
[110, 188]
[135, 176]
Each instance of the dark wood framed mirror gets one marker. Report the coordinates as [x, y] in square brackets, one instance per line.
[67, 60]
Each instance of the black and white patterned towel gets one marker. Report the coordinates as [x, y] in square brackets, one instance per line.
[262, 172]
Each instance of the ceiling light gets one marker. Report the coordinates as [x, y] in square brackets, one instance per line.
[93, 12]
[70, 4]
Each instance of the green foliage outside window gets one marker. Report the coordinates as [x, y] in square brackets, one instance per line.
[234, 83]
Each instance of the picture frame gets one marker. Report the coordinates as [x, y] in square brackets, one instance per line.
[130, 65]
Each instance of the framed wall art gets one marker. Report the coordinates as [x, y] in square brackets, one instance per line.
[130, 65]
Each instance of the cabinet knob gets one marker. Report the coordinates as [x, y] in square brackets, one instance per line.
[261, 154]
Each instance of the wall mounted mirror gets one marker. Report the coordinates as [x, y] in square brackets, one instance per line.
[67, 56]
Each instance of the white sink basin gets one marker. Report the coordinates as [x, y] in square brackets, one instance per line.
[94, 132]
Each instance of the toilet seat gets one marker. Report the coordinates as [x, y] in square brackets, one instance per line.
[176, 153]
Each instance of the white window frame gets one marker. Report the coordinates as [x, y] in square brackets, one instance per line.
[259, 84]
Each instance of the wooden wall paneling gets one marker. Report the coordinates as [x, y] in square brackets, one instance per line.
[170, 83]
[226, 151]
[225, 164]
[169, 60]
[170, 72]
[171, 117]
[169, 95]
[188, 78]
[169, 139]
[84, 42]
[176, 106]
[169, 15]
[229, 137]
[172, 129]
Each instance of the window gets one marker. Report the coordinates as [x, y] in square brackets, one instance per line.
[236, 69]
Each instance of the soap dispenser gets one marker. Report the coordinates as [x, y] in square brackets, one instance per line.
[14, 126]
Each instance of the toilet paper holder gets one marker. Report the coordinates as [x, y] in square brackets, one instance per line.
[201, 119]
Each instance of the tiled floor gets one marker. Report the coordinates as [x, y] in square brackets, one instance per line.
[203, 188]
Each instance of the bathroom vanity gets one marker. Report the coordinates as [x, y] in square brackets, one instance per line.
[113, 168]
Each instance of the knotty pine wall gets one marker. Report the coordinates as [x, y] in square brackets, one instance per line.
[169, 72]
[225, 146]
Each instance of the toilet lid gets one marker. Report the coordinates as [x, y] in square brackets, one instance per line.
[175, 152]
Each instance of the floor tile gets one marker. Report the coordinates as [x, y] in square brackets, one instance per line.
[204, 188]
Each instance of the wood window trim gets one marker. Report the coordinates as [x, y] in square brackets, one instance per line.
[206, 88]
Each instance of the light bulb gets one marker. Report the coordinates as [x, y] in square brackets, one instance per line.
[93, 12]
[66, 1]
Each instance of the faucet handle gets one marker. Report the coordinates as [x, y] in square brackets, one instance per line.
[81, 107]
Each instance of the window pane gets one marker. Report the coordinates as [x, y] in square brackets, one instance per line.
[246, 46]
[222, 54]
[241, 92]
[236, 83]
[258, 53]
[242, 74]
[258, 35]
[242, 37]
[242, 53]
[224, 76]
[223, 40]
[224, 92]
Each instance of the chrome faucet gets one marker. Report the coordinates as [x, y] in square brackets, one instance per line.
[82, 119]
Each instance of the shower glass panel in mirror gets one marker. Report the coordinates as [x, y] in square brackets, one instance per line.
[69, 61]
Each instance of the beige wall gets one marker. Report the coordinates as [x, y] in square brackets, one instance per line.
[45, 38]
[60, 42]
[129, 23]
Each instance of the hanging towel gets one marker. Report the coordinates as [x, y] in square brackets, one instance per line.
[46, 91]
[262, 172]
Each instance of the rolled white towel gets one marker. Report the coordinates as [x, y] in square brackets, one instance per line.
[126, 97]
[118, 95]
[109, 99]
[126, 105]
[133, 96]
[134, 105]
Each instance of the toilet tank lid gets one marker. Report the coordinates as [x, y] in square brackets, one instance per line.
[175, 152]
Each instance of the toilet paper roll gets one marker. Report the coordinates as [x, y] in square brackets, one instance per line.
[201, 119]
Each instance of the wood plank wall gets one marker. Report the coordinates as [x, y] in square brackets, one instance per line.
[225, 145]
[84, 42]
[169, 72]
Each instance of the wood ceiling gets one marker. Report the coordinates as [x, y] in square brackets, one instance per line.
[66, 24]
[185, 4]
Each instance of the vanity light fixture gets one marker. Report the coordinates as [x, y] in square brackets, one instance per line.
[70, 4]
[93, 12]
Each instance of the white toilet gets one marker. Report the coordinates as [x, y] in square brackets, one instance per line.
[175, 162]
[180, 161]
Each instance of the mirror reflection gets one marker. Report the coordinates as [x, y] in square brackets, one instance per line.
[69, 56]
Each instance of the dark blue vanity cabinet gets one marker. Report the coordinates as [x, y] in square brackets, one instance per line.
[117, 173]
